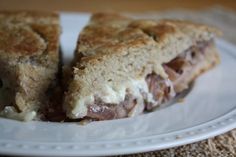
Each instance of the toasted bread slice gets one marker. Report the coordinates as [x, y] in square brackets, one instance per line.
[124, 66]
[29, 58]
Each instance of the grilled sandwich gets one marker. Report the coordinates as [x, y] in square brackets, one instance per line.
[123, 66]
[29, 59]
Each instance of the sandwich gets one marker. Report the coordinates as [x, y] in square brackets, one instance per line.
[29, 61]
[123, 67]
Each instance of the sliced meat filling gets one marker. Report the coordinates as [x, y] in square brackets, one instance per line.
[104, 111]
[162, 90]
[179, 71]
[182, 67]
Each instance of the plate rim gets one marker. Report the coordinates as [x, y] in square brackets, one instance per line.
[194, 134]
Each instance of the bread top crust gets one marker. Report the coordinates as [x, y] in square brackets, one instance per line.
[115, 53]
[26, 33]
[106, 30]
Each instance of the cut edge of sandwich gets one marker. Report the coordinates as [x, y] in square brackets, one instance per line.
[124, 66]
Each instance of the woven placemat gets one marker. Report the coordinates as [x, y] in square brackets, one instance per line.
[220, 146]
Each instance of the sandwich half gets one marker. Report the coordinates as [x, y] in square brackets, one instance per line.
[29, 58]
[123, 66]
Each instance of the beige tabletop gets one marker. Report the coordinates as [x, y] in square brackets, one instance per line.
[114, 5]
[222, 13]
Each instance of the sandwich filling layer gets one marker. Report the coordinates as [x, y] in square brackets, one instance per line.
[153, 90]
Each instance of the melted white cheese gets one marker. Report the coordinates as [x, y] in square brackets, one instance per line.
[112, 94]
[10, 112]
[115, 95]
[80, 109]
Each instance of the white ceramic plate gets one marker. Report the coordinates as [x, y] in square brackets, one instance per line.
[208, 110]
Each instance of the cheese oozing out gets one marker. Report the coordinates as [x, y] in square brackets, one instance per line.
[10, 112]
[116, 94]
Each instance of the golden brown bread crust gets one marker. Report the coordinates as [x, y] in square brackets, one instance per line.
[110, 30]
[113, 51]
[21, 31]
[29, 57]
